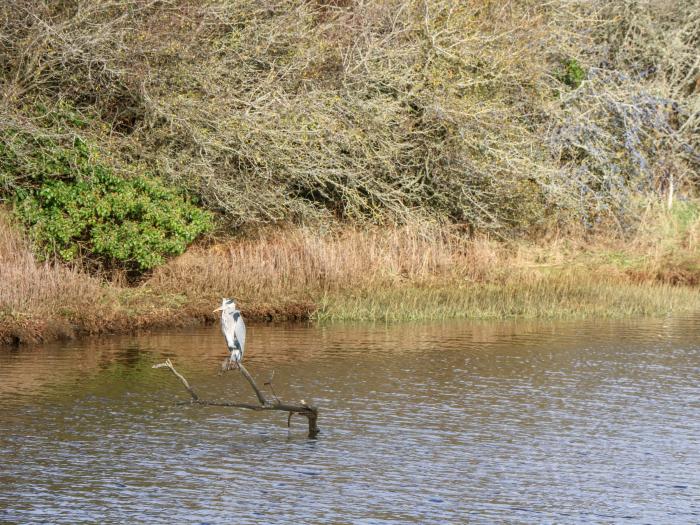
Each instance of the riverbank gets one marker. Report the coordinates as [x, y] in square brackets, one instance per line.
[408, 273]
[159, 154]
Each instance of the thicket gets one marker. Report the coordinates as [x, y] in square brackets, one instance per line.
[513, 118]
[75, 207]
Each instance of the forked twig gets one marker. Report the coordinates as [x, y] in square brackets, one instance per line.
[269, 384]
[169, 365]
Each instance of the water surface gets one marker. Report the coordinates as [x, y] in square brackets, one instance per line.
[420, 423]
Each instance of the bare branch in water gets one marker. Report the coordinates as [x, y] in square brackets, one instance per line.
[169, 365]
[269, 384]
[310, 412]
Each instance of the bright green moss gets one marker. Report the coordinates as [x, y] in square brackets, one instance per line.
[572, 73]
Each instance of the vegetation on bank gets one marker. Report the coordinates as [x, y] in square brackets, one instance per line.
[514, 119]
[440, 141]
[417, 272]
[75, 207]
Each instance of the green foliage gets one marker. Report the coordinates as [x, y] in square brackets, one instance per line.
[75, 206]
[572, 74]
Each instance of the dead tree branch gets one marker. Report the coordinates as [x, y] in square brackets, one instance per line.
[169, 365]
[308, 411]
[261, 397]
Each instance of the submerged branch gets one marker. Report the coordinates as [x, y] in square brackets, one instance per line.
[310, 412]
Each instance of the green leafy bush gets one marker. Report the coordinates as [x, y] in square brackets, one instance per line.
[75, 206]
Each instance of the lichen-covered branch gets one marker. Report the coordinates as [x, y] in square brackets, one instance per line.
[261, 397]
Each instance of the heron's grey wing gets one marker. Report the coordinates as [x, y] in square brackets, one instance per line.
[239, 330]
[228, 327]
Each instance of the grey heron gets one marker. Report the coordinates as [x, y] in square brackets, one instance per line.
[233, 328]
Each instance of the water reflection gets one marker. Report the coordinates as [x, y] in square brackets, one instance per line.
[421, 423]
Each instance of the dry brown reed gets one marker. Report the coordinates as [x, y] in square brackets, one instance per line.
[39, 300]
[422, 271]
[440, 272]
[302, 262]
[42, 301]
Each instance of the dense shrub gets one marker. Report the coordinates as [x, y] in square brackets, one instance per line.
[469, 111]
[75, 206]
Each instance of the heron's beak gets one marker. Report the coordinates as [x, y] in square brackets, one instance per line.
[218, 309]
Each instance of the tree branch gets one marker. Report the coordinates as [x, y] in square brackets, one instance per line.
[261, 397]
[169, 365]
[308, 411]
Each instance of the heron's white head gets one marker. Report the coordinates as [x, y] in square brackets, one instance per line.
[226, 305]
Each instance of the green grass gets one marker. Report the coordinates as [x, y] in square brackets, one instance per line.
[563, 296]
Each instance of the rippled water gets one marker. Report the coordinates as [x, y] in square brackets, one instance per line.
[420, 423]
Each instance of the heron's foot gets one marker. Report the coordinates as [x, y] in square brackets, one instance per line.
[229, 364]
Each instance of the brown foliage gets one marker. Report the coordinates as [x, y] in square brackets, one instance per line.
[421, 270]
[375, 112]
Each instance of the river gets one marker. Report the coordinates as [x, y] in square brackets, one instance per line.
[459, 422]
